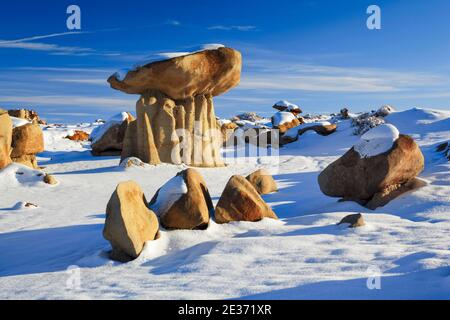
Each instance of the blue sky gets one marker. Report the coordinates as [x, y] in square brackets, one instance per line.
[318, 54]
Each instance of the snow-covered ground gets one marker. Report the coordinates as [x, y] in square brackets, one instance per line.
[304, 255]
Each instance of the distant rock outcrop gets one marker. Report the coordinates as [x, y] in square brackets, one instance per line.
[27, 141]
[241, 202]
[183, 202]
[262, 181]
[176, 121]
[6, 128]
[26, 114]
[129, 223]
[375, 169]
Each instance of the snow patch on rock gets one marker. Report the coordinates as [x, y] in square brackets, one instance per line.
[18, 122]
[99, 131]
[171, 192]
[282, 117]
[162, 56]
[377, 141]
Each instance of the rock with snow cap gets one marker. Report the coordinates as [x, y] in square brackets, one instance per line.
[379, 164]
[107, 139]
[208, 70]
[183, 202]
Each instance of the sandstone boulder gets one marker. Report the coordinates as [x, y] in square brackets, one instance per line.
[353, 220]
[49, 179]
[209, 72]
[323, 129]
[241, 202]
[27, 141]
[176, 121]
[129, 223]
[107, 140]
[262, 181]
[363, 174]
[183, 202]
[5, 138]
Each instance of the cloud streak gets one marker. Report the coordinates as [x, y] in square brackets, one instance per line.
[231, 28]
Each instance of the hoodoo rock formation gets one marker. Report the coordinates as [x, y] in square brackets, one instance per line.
[176, 122]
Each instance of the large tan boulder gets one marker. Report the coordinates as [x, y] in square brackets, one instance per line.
[183, 202]
[262, 181]
[27, 141]
[241, 202]
[209, 72]
[110, 142]
[363, 179]
[129, 223]
[5, 138]
[176, 121]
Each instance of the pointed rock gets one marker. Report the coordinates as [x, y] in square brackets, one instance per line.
[241, 202]
[129, 223]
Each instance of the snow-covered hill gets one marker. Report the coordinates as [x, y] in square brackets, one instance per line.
[304, 255]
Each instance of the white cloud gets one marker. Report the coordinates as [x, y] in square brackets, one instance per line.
[230, 28]
[174, 23]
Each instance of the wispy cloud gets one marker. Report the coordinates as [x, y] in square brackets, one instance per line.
[275, 74]
[231, 28]
[28, 43]
[174, 23]
[71, 100]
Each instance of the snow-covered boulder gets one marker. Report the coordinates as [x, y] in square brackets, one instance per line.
[129, 223]
[384, 111]
[284, 105]
[283, 121]
[263, 181]
[241, 202]
[6, 127]
[107, 139]
[375, 169]
[27, 141]
[183, 202]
